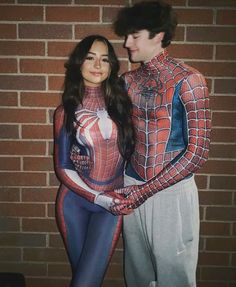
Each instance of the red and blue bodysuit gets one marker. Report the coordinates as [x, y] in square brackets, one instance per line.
[172, 123]
[89, 231]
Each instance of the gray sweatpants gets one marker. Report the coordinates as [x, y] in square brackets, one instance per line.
[161, 238]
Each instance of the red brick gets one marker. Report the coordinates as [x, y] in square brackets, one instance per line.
[45, 31]
[55, 83]
[7, 31]
[60, 49]
[10, 254]
[9, 194]
[45, 254]
[221, 119]
[38, 99]
[223, 182]
[226, 17]
[223, 103]
[191, 51]
[83, 30]
[179, 34]
[224, 52]
[211, 34]
[221, 244]
[18, 82]
[213, 3]
[22, 48]
[45, 1]
[24, 239]
[216, 198]
[8, 99]
[37, 164]
[42, 66]
[109, 14]
[8, 66]
[226, 86]
[23, 115]
[9, 163]
[221, 213]
[39, 225]
[219, 167]
[26, 268]
[51, 210]
[191, 16]
[56, 270]
[101, 2]
[72, 14]
[22, 148]
[114, 271]
[218, 273]
[53, 180]
[55, 240]
[220, 259]
[201, 181]
[215, 228]
[223, 135]
[47, 282]
[215, 69]
[9, 224]
[9, 132]
[37, 132]
[21, 13]
[223, 151]
[45, 194]
[22, 209]
[22, 179]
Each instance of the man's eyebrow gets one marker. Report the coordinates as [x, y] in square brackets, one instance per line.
[105, 55]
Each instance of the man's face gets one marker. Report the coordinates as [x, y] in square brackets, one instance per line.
[141, 48]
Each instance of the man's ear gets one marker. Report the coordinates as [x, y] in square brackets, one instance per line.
[159, 37]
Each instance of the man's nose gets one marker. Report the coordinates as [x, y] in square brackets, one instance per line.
[128, 41]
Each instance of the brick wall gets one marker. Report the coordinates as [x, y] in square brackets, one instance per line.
[35, 39]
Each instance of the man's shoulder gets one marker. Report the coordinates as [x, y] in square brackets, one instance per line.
[180, 66]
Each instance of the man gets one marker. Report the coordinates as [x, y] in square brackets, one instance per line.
[172, 121]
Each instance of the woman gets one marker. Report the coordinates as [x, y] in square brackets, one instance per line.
[95, 117]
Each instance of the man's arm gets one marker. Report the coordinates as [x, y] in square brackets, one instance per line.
[195, 99]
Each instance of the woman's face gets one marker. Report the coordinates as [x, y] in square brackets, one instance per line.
[96, 68]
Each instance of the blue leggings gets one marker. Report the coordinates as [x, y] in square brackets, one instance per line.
[90, 234]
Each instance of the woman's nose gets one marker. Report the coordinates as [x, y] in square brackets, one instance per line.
[97, 63]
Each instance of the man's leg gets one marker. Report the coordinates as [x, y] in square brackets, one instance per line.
[175, 234]
[161, 239]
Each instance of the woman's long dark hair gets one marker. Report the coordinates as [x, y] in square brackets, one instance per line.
[118, 104]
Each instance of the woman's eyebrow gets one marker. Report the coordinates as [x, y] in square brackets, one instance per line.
[105, 55]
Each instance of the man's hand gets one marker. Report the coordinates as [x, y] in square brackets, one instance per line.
[81, 162]
[136, 193]
[114, 203]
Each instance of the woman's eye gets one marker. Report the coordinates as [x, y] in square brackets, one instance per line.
[105, 60]
[89, 58]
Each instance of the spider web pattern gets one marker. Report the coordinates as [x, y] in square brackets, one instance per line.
[98, 134]
[153, 90]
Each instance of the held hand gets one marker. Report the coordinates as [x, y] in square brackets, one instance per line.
[135, 193]
[81, 162]
[113, 202]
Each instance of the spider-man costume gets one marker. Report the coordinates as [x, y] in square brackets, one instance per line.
[89, 231]
[172, 123]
